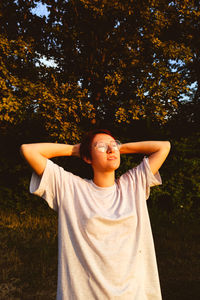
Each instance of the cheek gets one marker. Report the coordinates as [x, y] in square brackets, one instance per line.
[118, 156]
[97, 156]
[119, 161]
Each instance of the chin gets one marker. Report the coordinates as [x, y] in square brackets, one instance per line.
[115, 166]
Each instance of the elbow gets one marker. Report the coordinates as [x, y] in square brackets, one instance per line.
[23, 149]
[167, 146]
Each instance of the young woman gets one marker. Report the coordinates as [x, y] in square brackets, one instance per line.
[106, 249]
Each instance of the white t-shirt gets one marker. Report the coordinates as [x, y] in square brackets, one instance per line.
[105, 243]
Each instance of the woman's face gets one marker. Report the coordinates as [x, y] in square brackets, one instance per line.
[105, 153]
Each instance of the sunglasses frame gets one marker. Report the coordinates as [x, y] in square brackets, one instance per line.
[106, 145]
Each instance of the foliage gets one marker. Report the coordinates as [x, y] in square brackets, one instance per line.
[29, 90]
[180, 193]
[123, 53]
[60, 107]
[189, 25]
[63, 108]
[14, 88]
[114, 62]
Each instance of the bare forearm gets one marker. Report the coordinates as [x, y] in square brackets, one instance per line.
[146, 147]
[48, 150]
[157, 151]
[37, 154]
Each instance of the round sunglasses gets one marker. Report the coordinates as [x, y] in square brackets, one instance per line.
[103, 146]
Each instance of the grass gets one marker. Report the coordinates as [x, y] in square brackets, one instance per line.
[178, 254]
[28, 256]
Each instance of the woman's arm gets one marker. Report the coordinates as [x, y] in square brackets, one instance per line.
[157, 151]
[37, 154]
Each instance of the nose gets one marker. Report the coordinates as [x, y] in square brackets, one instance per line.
[110, 149]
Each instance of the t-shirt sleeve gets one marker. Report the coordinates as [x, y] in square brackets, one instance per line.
[49, 186]
[144, 178]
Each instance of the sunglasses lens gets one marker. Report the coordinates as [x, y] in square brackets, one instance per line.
[115, 145]
[103, 147]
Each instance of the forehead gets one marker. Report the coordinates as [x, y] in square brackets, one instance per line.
[102, 137]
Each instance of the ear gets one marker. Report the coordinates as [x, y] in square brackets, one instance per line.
[87, 160]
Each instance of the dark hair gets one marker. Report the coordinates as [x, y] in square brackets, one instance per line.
[86, 144]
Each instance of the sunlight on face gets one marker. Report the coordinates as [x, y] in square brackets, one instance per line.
[102, 160]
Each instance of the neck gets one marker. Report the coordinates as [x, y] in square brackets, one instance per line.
[104, 179]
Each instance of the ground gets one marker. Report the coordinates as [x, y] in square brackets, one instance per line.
[28, 255]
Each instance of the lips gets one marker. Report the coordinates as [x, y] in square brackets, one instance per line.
[112, 157]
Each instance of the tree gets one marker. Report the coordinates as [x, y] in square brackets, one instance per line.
[115, 61]
[28, 89]
[189, 26]
[119, 53]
